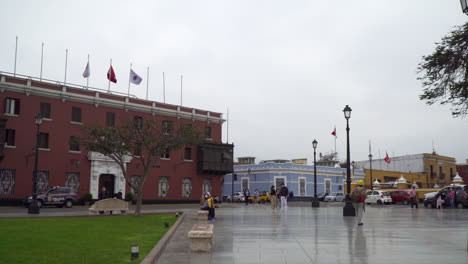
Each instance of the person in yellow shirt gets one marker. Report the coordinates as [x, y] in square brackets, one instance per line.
[211, 207]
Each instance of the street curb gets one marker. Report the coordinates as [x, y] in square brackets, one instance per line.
[156, 252]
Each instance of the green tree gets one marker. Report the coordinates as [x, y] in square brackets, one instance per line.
[445, 72]
[145, 141]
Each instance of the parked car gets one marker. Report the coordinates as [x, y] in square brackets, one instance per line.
[58, 196]
[400, 197]
[237, 197]
[378, 197]
[461, 198]
[321, 196]
[334, 197]
[263, 197]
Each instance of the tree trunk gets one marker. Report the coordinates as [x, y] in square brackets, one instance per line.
[139, 200]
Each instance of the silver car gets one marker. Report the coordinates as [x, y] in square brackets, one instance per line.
[334, 197]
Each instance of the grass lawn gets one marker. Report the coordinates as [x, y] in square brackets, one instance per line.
[105, 239]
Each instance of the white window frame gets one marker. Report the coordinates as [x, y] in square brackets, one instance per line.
[282, 177]
[242, 184]
[299, 186]
[325, 186]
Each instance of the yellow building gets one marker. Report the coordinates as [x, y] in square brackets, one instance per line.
[427, 170]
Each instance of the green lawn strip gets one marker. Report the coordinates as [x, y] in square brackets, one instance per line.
[105, 239]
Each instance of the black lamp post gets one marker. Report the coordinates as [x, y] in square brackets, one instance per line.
[348, 209]
[464, 5]
[315, 201]
[33, 206]
[370, 161]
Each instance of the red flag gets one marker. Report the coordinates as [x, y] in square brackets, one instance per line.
[334, 132]
[387, 159]
[111, 75]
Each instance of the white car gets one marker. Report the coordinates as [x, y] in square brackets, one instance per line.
[334, 197]
[378, 197]
[237, 197]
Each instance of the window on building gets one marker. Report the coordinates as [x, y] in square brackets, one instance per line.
[76, 114]
[72, 180]
[188, 154]
[207, 186]
[10, 137]
[7, 181]
[43, 140]
[441, 173]
[12, 106]
[110, 119]
[167, 126]
[187, 188]
[42, 180]
[163, 186]
[208, 132]
[451, 173]
[302, 186]
[165, 154]
[74, 146]
[44, 109]
[138, 122]
[432, 171]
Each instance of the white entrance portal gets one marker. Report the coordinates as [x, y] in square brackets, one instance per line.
[101, 164]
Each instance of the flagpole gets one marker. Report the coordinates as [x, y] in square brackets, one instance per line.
[16, 55]
[380, 161]
[181, 89]
[87, 78]
[66, 61]
[42, 59]
[227, 128]
[129, 79]
[108, 77]
[147, 82]
[164, 89]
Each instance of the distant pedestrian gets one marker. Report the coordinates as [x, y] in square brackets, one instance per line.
[451, 196]
[278, 196]
[440, 201]
[358, 196]
[284, 192]
[256, 194]
[246, 195]
[273, 197]
[102, 195]
[413, 196]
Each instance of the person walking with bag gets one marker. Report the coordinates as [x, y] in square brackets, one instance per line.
[358, 196]
[414, 196]
[246, 195]
[284, 192]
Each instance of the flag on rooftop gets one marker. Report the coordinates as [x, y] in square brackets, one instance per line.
[387, 159]
[111, 75]
[134, 78]
[334, 132]
[86, 72]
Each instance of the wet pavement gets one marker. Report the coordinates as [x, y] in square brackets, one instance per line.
[390, 234]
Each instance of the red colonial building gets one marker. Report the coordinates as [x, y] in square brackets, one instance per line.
[178, 176]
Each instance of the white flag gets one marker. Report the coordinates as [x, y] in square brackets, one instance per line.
[86, 72]
[134, 78]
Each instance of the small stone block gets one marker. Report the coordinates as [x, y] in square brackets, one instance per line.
[202, 215]
[201, 237]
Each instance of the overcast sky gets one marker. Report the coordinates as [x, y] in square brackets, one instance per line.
[285, 69]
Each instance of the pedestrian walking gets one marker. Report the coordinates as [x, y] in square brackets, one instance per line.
[413, 196]
[451, 196]
[102, 195]
[284, 192]
[256, 194]
[273, 197]
[440, 201]
[358, 196]
[246, 195]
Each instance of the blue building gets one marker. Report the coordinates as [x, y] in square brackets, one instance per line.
[298, 178]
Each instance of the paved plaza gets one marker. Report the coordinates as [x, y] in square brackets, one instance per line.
[390, 234]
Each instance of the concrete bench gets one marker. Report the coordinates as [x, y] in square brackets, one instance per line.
[202, 215]
[201, 237]
[109, 205]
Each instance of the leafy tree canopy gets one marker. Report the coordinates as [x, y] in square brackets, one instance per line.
[445, 72]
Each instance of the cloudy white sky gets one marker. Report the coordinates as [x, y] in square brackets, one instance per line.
[285, 69]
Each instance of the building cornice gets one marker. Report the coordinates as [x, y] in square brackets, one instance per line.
[29, 86]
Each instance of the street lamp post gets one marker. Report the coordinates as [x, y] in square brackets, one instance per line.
[315, 201]
[464, 5]
[370, 161]
[33, 206]
[348, 209]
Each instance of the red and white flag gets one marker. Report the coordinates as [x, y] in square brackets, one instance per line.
[387, 159]
[111, 75]
[334, 132]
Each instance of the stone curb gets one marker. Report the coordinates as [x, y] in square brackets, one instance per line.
[156, 252]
